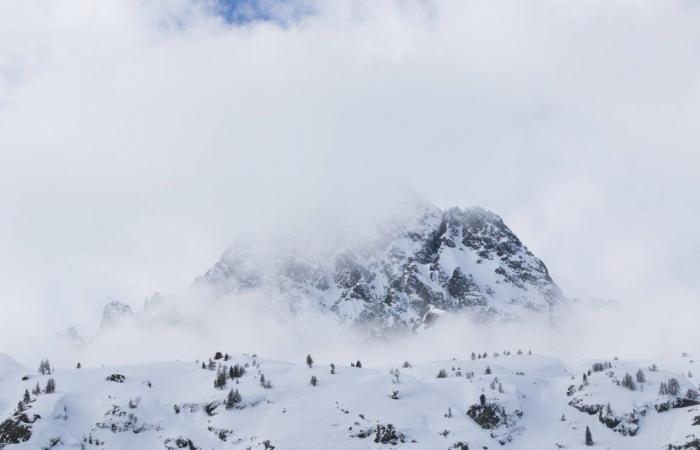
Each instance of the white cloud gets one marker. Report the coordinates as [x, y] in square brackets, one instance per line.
[137, 138]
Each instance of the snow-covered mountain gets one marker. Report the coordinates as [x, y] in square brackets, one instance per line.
[513, 400]
[425, 263]
[398, 276]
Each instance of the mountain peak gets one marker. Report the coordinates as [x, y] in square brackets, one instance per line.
[114, 313]
[459, 259]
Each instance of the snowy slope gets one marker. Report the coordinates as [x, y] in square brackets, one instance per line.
[164, 405]
[410, 268]
[9, 370]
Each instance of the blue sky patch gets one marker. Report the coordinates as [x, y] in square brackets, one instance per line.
[241, 12]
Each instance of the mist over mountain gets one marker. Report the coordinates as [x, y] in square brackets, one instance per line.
[406, 273]
[242, 224]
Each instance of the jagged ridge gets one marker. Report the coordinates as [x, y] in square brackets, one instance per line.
[457, 259]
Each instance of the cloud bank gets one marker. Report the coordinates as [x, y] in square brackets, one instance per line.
[138, 138]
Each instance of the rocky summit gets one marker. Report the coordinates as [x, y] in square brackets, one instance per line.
[408, 272]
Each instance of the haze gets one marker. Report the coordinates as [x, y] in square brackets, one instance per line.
[138, 138]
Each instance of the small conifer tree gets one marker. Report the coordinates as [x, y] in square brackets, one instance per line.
[232, 399]
[589, 437]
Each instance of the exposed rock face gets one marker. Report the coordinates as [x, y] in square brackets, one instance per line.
[626, 424]
[678, 402]
[493, 417]
[488, 416]
[180, 443]
[116, 377]
[387, 434]
[693, 444]
[116, 313]
[434, 261]
[71, 334]
[18, 427]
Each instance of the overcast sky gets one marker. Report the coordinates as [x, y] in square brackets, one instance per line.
[139, 137]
